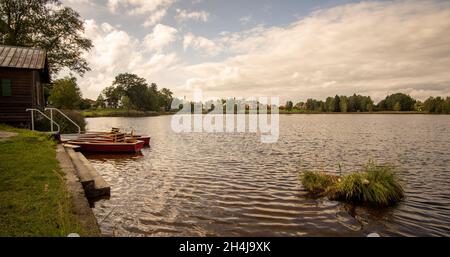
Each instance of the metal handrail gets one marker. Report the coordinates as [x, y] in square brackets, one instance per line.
[65, 116]
[43, 114]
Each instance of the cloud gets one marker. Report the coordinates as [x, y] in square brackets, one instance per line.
[155, 10]
[200, 44]
[135, 7]
[371, 48]
[245, 20]
[115, 51]
[183, 15]
[78, 1]
[156, 17]
[161, 36]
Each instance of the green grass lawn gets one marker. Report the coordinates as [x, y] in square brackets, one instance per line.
[33, 198]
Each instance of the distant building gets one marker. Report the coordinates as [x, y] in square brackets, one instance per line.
[23, 74]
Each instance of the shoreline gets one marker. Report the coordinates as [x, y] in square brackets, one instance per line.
[141, 114]
[122, 113]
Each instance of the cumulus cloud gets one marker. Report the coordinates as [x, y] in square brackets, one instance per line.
[155, 10]
[161, 36]
[78, 1]
[374, 48]
[156, 17]
[115, 51]
[183, 15]
[371, 48]
[245, 19]
[139, 6]
[201, 44]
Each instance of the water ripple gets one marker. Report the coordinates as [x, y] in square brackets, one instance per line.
[204, 184]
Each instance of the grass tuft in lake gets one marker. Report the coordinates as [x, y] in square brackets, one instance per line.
[317, 183]
[375, 185]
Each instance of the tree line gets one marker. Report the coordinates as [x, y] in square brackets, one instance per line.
[358, 103]
[127, 91]
[130, 91]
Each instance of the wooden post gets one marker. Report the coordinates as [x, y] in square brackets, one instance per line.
[51, 119]
[32, 120]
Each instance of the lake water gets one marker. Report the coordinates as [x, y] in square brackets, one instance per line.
[221, 184]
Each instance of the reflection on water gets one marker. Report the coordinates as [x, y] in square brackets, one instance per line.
[223, 184]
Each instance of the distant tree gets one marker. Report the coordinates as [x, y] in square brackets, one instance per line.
[336, 107]
[429, 105]
[166, 98]
[446, 106]
[48, 25]
[126, 103]
[352, 104]
[321, 106]
[437, 105]
[86, 103]
[329, 104]
[135, 88]
[418, 106]
[397, 107]
[310, 104]
[406, 102]
[343, 103]
[370, 107]
[112, 96]
[289, 105]
[300, 105]
[369, 104]
[65, 93]
[155, 97]
[100, 102]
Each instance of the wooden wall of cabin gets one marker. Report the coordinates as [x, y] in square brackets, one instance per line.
[12, 108]
[38, 96]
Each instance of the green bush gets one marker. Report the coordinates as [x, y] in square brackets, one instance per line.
[375, 185]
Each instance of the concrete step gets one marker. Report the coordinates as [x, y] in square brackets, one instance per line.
[101, 187]
[74, 147]
[81, 205]
[94, 185]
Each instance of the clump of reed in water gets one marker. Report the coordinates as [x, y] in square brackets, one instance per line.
[375, 185]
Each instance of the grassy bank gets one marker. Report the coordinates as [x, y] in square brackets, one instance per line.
[375, 185]
[121, 113]
[33, 198]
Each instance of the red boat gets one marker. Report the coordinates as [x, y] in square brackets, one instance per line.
[109, 137]
[133, 146]
[146, 139]
[101, 138]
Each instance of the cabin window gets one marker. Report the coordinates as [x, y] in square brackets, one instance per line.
[6, 87]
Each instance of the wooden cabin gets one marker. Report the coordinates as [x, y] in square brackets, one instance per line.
[23, 74]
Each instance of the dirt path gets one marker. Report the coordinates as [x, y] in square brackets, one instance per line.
[5, 135]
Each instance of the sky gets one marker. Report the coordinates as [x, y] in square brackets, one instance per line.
[292, 49]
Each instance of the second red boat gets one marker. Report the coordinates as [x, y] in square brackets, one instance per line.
[109, 147]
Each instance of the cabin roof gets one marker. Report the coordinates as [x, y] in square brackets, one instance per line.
[22, 57]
